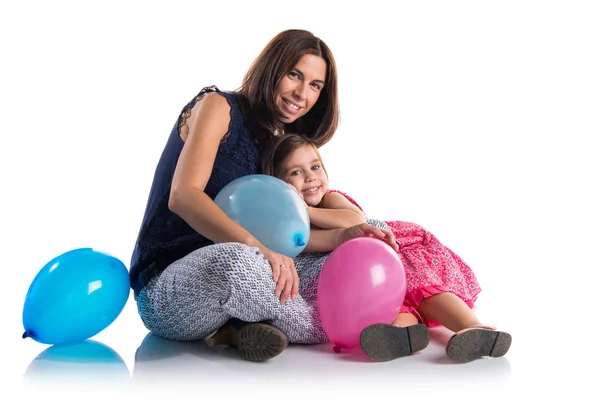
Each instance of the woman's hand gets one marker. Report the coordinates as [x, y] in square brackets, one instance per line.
[366, 230]
[284, 274]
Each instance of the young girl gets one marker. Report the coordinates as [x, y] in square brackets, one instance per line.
[441, 288]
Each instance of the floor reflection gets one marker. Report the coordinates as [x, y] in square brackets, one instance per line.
[171, 365]
[88, 365]
[167, 366]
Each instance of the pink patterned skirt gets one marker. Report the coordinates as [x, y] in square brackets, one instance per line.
[431, 268]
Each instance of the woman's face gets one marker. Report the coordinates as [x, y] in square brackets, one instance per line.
[299, 90]
[303, 170]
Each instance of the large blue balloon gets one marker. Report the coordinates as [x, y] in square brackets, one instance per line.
[75, 296]
[270, 210]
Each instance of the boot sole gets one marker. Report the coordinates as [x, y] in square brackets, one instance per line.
[255, 341]
[477, 343]
[384, 342]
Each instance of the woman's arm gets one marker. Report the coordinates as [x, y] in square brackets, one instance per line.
[208, 123]
[337, 212]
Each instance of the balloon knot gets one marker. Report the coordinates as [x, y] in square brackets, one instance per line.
[25, 335]
[299, 241]
[337, 349]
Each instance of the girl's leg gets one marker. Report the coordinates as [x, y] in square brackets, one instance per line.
[403, 337]
[472, 339]
[405, 319]
[449, 310]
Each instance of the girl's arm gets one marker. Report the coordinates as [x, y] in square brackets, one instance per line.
[337, 212]
[325, 240]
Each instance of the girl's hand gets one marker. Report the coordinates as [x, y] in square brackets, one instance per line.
[366, 230]
[284, 274]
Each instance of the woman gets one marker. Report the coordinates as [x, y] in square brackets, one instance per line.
[195, 271]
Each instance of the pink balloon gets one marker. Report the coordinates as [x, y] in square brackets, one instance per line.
[361, 283]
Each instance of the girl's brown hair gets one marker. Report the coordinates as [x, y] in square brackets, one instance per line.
[276, 60]
[281, 148]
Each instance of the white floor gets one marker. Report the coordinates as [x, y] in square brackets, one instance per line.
[126, 361]
[477, 120]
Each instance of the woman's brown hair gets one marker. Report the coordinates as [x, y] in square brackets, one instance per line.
[276, 60]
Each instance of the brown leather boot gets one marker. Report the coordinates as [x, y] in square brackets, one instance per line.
[256, 341]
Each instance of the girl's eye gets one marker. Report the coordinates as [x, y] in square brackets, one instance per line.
[315, 167]
[293, 74]
[294, 173]
[316, 86]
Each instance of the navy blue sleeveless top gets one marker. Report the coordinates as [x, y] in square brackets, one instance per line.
[164, 237]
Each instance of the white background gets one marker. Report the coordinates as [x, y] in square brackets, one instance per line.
[478, 120]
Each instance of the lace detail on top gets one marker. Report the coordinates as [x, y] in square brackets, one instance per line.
[165, 237]
[183, 128]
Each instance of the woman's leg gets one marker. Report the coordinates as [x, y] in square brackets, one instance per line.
[304, 326]
[197, 294]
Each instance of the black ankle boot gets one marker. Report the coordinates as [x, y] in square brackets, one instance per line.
[385, 342]
[256, 341]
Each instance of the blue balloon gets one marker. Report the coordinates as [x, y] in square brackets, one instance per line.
[269, 209]
[75, 296]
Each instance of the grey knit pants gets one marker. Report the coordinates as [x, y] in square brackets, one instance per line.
[196, 295]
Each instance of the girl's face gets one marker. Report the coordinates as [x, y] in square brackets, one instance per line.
[299, 90]
[303, 170]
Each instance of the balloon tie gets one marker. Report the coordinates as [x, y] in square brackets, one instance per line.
[299, 240]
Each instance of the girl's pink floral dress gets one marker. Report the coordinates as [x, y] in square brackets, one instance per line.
[431, 267]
